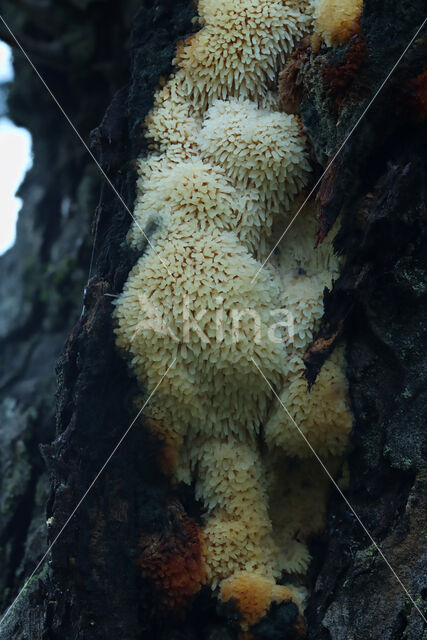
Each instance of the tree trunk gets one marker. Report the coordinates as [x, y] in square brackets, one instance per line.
[103, 60]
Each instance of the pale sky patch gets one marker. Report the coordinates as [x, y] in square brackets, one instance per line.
[15, 160]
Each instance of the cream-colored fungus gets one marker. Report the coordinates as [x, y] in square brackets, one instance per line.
[258, 149]
[338, 20]
[240, 48]
[220, 183]
[213, 386]
[173, 123]
[198, 192]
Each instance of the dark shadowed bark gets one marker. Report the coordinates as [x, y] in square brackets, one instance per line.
[103, 60]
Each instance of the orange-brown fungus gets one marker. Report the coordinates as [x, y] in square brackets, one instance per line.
[172, 560]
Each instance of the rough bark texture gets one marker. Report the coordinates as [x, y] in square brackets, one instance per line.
[94, 54]
[379, 183]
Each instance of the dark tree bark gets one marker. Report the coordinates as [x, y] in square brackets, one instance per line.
[103, 60]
